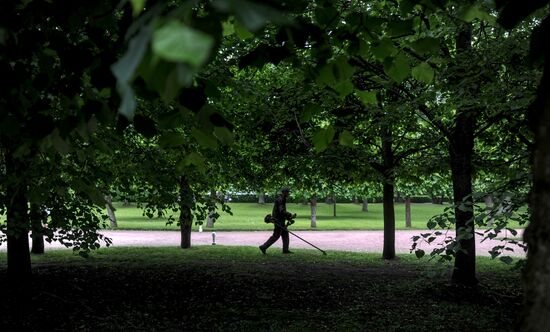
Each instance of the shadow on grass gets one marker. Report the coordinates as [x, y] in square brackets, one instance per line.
[214, 288]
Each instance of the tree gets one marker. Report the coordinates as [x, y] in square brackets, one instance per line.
[535, 314]
[57, 74]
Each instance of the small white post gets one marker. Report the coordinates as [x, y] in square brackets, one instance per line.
[213, 238]
[200, 228]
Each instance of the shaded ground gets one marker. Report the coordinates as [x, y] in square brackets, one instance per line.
[266, 294]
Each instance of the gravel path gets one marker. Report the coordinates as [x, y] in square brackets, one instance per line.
[357, 241]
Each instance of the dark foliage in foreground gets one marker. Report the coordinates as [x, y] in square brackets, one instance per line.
[255, 295]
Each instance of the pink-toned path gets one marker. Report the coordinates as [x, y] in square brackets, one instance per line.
[358, 241]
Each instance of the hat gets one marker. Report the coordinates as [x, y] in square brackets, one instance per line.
[285, 190]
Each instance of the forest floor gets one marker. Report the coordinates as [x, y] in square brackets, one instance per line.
[235, 289]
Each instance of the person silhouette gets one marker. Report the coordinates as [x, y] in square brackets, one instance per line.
[279, 216]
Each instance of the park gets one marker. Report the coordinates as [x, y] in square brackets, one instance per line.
[247, 165]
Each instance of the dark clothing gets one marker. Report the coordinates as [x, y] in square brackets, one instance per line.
[278, 232]
[279, 211]
[280, 215]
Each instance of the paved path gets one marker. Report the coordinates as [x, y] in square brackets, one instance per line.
[358, 241]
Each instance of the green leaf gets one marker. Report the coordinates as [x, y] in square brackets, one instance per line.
[426, 45]
[397, 68]
[367, 97]
[242, 32]
[400, 28]
[326, 15]
[383, 49]
[192, 159]
[177, 42]
[423, 73]
[506, 259]
[137, 6]
[326, 75]
[204, 139]
[342, 70]
[406, 7]
[470, 13]
[309, 112]
[343, 88]
[224, 135]
[171, 139]
[59, 143]
[253, 16]
[322, 138]
[170, 120]
[125, 68]
[346, 138]
[228, 28]
[419, 253]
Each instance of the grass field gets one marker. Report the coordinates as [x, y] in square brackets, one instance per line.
[249, 216]
[220, 288]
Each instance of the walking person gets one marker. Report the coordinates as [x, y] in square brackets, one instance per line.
[279, 216]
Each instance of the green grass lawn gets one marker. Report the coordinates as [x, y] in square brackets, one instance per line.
[249, 216]
[217, 288]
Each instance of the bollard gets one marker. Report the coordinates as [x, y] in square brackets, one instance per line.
[213, 238]
[200, 228]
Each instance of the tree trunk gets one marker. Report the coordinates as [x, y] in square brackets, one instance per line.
[461, 168]
[186, 218]
[313, 203]
[389, 213]
[19, 257]
[408, 212]
[261, 198]
[389, 220]
[461, 151]
[37, 216]
[334, 206]
[111, 211]
[536, 311]
[365, 205]
[210, 218]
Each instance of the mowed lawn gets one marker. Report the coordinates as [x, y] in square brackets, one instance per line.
[249, 216]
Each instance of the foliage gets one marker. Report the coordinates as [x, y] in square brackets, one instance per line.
[495, 220]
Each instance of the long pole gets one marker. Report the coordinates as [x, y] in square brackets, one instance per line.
[311, 244]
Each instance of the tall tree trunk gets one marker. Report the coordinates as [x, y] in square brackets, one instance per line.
[313, 203]
[37, 217]
[389, 213]
[334, 206]
[408, 212]
[365, 205]
[461, 151]
[211, 212]
[19, 257]
[536, 311]
[111, 211]
[185, 219]
[261, 198]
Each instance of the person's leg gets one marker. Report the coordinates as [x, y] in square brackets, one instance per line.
[286, 241]
[272, 239]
